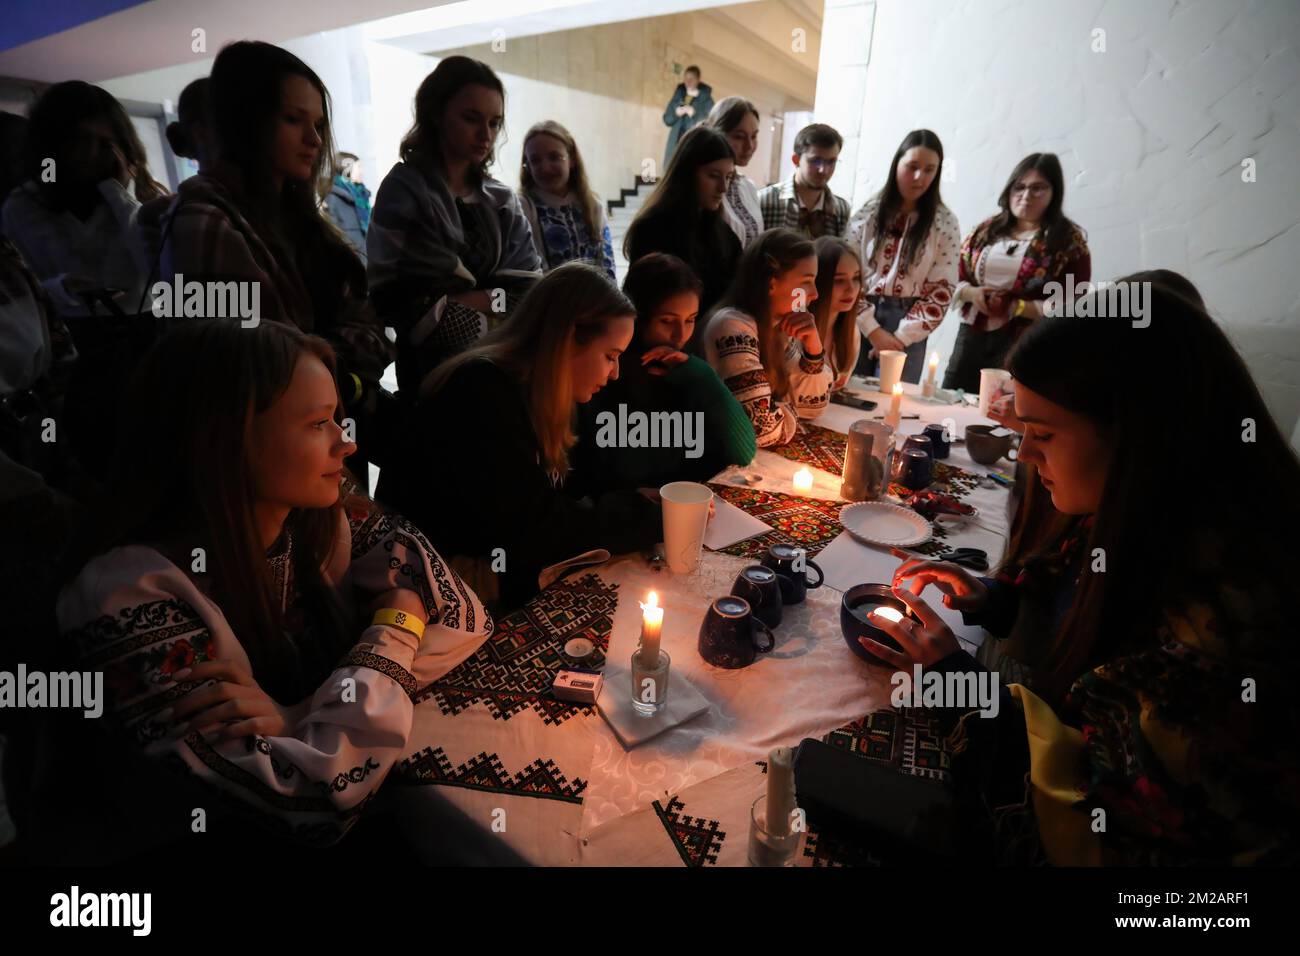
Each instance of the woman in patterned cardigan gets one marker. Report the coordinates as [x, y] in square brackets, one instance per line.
[763, 342]
[1162, 723]
[1007, 261]
[229, 605]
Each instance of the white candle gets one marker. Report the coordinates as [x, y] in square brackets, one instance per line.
[934, 367]
[652, 622]
[895, 406]
[888, 613]
[803, 480]
[780, 790]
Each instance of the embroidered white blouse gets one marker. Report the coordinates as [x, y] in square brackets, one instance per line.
[742, 211]
[136, 616]
[931, 277]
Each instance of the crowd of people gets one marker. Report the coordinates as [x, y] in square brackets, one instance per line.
[192, 549]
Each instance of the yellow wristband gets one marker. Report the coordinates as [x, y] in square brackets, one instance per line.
[403, 619]
[1020, 308]
[357, 387]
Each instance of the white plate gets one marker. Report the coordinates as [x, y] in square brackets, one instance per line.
[878, 522]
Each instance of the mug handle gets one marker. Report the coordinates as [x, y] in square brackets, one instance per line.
[820, 576]
[771, 638]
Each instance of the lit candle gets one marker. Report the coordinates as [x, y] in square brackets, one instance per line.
[895, 406]
[780, 790]
[888, 613]
[803, 480]
[927, 389]
[652, 622]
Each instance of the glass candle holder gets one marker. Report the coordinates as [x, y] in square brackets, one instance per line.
[867, 461]
[649, 684]
[767, 848]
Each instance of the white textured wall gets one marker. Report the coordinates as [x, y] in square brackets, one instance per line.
[1151, 134]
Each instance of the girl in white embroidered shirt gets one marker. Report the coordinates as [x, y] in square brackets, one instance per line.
[763, 341]
[232, 614]
[909, 243]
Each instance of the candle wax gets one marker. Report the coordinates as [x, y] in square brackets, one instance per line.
[652, 621]
[780, 790]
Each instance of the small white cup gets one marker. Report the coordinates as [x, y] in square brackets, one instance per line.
[992, 381]
[891, 369]
[686, 515]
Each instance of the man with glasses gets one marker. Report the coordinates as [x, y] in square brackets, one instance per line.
[805, 202]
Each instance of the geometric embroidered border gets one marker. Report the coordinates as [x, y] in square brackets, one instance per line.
[698, 841]
[514, 668]
[817, 446]
[541, 778]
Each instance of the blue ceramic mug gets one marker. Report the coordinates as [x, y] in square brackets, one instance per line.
[730, 634]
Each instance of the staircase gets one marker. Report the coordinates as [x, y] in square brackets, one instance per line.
[621, 213]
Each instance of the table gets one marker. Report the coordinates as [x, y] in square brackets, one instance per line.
[553, 783]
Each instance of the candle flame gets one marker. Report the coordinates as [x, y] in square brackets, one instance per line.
[889, 614]
[934, 358]
[652, 603]
[898, 388]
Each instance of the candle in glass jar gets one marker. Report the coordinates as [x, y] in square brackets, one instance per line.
[895, 406]
[652, 622]
[803, 480]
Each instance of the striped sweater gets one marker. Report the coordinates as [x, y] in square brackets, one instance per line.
[731, 347]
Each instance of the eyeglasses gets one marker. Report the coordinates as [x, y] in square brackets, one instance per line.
[818, 163]
[1037, 189]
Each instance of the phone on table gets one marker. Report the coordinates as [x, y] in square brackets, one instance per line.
[852, 401]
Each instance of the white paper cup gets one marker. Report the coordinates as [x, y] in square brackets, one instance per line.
[686, 514]
[891, 369]
[992, 381]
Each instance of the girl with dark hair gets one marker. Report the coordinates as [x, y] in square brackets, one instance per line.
[737, 119]
[683, 216]
[450, 250]
[257, 630]
[494, 428]
[74, 217]
[190, 136]
[1163, 697]
[255, 216]
[1007, 261]
[567, 219]
[656, 376]
[909, 242]
[839, 286]
[763, 342]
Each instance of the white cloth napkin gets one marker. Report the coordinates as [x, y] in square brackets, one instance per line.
[615, 705]
[730, 524]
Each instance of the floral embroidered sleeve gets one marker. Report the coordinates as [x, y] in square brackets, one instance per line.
[136, 617]
[937, 288]
[734, 355]
[810, 381]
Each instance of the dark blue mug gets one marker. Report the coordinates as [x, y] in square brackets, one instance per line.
[795, 585]
[762, 589]
[916, 469]
[729, 635]
[939, 444]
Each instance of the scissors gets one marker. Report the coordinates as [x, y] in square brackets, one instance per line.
[972, 558]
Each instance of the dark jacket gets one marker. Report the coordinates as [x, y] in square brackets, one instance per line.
[473, 482]
[678, 125]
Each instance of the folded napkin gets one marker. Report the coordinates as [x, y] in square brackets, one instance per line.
[729, 525]
[615, 705]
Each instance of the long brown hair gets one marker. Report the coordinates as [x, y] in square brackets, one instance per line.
[1163, 546]
[181, 479]
[245, 107]
[839, 332]
[578, 186]
[891, 200]
[53, 122]
[449, 77]
[1055, 226]
[773, 253]
[570, 305]
[675, 202]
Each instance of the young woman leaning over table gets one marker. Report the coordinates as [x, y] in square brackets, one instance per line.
[763, 340]
[1164, 696]
[260, 637]
[485, 470]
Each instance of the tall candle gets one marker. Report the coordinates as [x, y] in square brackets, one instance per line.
[780, 790]
[895, 406]
[652, 622]
[934, 367]
[803, 480]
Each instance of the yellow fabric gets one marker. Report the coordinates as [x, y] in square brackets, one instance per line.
[1056, 761]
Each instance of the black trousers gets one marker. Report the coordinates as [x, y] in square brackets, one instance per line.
[976, 350]
[890, 311]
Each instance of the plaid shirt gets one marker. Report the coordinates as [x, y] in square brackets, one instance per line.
[781, 207]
